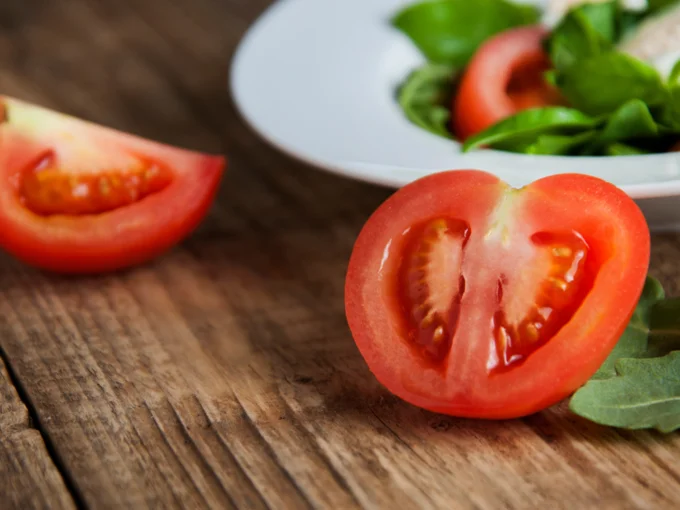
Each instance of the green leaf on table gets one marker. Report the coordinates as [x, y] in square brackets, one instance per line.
[602, 83]
[426, 95]
[450, 31]
[518, 131]
[633, 342]
[638, 386]
[586, 30]
[644, 394]
[664, 334]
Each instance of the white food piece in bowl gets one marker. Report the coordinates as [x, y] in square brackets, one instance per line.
[657, 40]
[556, 9]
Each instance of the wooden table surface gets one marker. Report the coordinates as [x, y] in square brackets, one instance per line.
[223, 375]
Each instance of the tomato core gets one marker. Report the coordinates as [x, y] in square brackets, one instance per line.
[430, 284]
[47, 189]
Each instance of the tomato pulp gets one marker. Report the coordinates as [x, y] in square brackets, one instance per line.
[471, 298]
[504, 76]
[76, 197]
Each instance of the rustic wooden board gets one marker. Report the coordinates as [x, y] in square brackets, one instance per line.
[28, 477]
[223, 375]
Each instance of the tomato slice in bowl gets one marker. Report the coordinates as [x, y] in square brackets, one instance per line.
[471, 298]
[504, 76]
[76, 197]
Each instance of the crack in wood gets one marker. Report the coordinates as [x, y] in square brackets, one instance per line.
[34, 424]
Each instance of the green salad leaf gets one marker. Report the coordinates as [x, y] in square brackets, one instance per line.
[426, 95]
[586, 30]
[559, 145]
[644, 394]
[674, 76]
[614, 103]
[638, 386]
[450, 31]
[629, 121]
[670, 111]
[653, 6]
[519, 131]
[621, 149]
[633, 342]
[602, 83]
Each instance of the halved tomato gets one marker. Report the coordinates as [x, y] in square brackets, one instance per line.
[504, 76]
[76, 197]
[471, 298]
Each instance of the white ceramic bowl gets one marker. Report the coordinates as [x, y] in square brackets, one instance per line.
[316, 78]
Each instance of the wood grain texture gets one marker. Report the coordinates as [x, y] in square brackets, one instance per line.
[28, 477]
[223, 374]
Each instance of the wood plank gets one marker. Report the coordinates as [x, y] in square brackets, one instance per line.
[28, 477]
[223, 374]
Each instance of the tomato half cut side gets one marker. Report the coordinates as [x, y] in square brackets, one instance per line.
[468, 297]
[77, 197]
[504, 76]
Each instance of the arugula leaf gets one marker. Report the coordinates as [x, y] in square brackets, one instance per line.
[450, 31]
[586, 30]
[518, 131]
[644, 394]
[638, 386]
[664, 334]
[602, 83]
[633, 342]
[426, 95]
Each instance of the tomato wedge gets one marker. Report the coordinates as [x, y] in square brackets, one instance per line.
[76, 197]
[504, 76]
[474, 299]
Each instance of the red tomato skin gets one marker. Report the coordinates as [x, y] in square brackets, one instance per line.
[483, 98]
[109, 241]
[609, 219]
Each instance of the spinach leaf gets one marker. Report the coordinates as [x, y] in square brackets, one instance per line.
[627, 23]
[622, 149]
[602, 83]
[515, 133]
[654, 6]
[450, 31]
[670, 111]
[638, 386]
[644, 394]
[426, 95]
[632, 121]
[674, 77]
[586, 30]
[558, 145]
